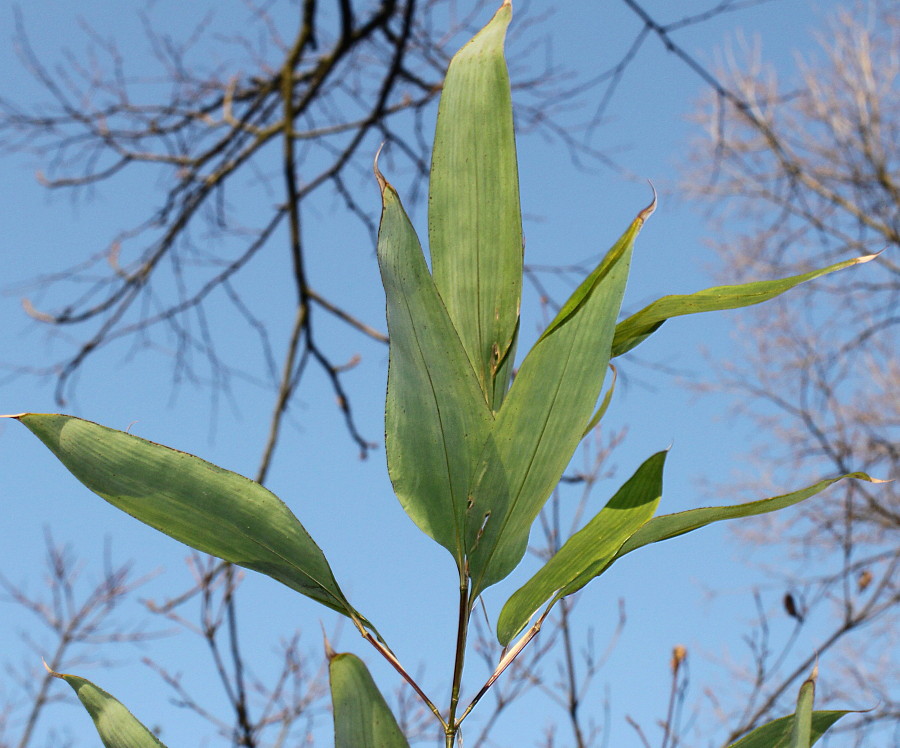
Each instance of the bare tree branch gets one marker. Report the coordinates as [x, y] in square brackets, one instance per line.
[809, 173]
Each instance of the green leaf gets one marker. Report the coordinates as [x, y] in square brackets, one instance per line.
[777, 734]
[202, 505]
[544, 417]
[587, 553]
[638, 327]
[362, 718]
[670, 525]
[117, 727]
[436, 415]
[474, 218]
[801, 730]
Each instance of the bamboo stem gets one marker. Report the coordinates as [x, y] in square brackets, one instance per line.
[462, 630]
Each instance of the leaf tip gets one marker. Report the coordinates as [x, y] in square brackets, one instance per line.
[382, 182]
[330, 654]
[867, 258]
[17, 416]
[50, 670]
[868, 478]
[649, 210]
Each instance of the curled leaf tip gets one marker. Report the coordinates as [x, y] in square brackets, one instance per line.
[382, 182]
[648, 211]
[50, 670]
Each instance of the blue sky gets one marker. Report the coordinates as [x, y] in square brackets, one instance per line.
[390, 571]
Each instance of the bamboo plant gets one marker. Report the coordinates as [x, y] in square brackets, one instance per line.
[473, 451]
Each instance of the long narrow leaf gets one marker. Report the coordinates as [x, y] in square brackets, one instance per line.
[436, 415]
[474, 218]
[544, 417]
[587, 553]
[638, 327]
[799, 730]
[202, 505]
[117, 727]
[362, 718]
[777, 734]
[671, 525]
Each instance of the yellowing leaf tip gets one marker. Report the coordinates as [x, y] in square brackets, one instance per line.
[330, 654]
[14, 415]
[866, 477]
[382, 182]
[50, 670]
[867, 258]
[649, 210]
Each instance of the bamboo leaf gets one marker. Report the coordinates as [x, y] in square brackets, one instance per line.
[638, 327]
[544, 417]
[436, 415]
[195, 502]
[587, 553]
[474, 218]
[777, 734]
[117, 727]
[801, 730]
[362, 718]
[670, 525]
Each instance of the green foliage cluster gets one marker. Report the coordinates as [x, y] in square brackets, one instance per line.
[473, 452]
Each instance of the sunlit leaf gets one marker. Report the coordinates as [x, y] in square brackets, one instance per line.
[202, 505]
[671, 525]
[544, 417]
[436, 415]
[362, 718]
[638, 327]
[588, 552]
[474, 219]
[777, 734]
[116, 726]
